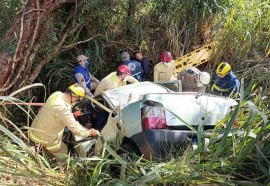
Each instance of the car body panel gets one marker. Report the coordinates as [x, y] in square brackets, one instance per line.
[112, 101]
[131, 117]
[175, 85]
[113, 131]
[192, 108]
[125, 95]
[160, 143]
[124, 106]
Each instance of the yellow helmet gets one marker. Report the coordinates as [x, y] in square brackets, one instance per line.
[223, 69]
[77, 90]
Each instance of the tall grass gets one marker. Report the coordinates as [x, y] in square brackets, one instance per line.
[20, 162]
[242, 33]
[237, 154]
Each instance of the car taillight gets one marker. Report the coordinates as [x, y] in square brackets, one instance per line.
[153, 118]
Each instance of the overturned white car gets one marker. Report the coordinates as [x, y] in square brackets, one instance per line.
[150, 119]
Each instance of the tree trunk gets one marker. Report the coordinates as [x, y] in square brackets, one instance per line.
[131, 16]
[28, 30]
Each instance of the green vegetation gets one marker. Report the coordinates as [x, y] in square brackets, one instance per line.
[240, 30]
[238, 153]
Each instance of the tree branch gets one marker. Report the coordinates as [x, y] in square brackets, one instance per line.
[79, 42]
[15, 59]
[56, 50]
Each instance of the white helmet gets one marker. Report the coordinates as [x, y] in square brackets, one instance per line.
[204, 79]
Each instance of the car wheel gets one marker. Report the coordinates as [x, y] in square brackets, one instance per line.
[129, 151]
[126, 153]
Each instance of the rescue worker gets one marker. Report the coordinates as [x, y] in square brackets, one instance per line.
[165, 70]
[82, 76]
[193, 80]
[224, 82]
[48, 125]
[115, 79]
[144, 62]
[135, 67]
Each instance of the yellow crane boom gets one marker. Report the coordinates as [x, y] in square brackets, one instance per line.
[194, 58]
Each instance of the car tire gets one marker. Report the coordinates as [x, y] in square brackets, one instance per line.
[126, 151]
[128, 147]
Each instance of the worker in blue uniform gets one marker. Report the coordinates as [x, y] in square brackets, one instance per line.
[135, 66]
[224, 82]
[82, 76]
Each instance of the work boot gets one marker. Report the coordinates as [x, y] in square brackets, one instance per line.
[61, 161]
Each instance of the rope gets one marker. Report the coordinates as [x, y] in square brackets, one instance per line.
[29, 104]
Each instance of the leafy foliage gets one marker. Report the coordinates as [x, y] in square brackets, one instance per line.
[8, 9]
[238, 152]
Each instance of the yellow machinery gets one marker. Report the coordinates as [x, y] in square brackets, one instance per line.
[194, 58]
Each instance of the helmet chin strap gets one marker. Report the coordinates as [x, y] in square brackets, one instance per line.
[71, 100]
[120, 78]
[199, 78]
[123, 79]
[70, 97]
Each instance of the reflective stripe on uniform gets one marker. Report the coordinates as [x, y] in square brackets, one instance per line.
[219, 89]
[54, 146]
[114, 80]
[88, 81]
[36, 139]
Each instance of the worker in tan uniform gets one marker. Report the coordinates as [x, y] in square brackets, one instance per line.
[165, 70]
[193, 80]
[48, 125]
[115, 79]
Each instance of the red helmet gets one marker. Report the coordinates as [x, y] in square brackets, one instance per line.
[124, 69]
[166, 57]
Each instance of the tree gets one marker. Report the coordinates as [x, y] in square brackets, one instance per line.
[30, 32]
[45, 29]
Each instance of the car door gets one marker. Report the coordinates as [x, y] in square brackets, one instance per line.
[113, 130]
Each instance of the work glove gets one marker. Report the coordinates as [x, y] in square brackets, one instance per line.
[77, 113]
[94, 133]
